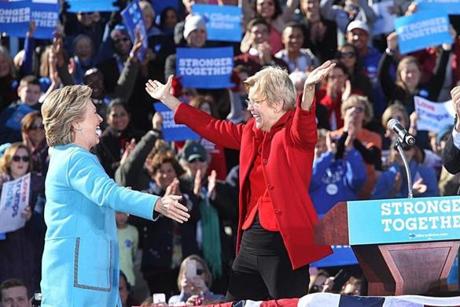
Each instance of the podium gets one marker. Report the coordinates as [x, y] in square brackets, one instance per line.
[397, 268]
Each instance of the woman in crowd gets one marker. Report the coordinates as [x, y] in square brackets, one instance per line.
[33, 136]
[8, 93]
[356, 112]
[194, 281]
[81, 205]
[21, 248]
[116, 136]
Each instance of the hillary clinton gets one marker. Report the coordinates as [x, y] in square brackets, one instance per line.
[80, 260]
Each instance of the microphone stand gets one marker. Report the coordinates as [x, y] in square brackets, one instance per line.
[399, 146]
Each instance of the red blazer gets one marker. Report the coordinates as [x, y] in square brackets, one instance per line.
[287, 158]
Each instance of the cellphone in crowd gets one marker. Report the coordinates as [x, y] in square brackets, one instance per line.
[190, 269]
[159, 298]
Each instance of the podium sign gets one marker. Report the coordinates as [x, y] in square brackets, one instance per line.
[404, 220]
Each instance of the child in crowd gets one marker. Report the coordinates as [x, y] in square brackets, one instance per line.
[128, 240]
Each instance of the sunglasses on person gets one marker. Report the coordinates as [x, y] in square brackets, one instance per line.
[19, 158]
[347, 54]
[37, 127]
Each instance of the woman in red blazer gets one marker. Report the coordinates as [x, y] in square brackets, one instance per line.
[276, 216]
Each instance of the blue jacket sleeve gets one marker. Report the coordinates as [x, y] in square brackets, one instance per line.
[86, 175]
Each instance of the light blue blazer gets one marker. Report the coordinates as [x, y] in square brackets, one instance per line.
[80, 265]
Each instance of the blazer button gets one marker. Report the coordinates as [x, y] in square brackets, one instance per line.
[265, 161]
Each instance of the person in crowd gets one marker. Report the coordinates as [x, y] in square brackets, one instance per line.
[356, 112]
[336, 89]
[33, 136]
[81, 205]
[275, 17]
[408, 81]
[358, 34]
[168, 20]
[353, 286]
[22, 247]
[260, 53]
[128, 242]
[8, 94]
[10, 118]
[194, 282]
[348, 56]
[265, 257]
[195, 34]
[83, 57]
[321, 34]
[116, 136]
[217, 211]
[392, 183]
[337, 171]
[396, 111]
[126, 297]
[451, 153]
[296, 57]
[14, 293]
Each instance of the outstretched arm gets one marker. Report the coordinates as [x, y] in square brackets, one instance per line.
[314, 77]
[162, 92]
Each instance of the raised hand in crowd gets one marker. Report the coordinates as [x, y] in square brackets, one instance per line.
[419, 187]
[350, 125]
[197, 183]
[314, 77]
[137, 45]
[212, 184]
[129, 147]
[157, 121]
[173, 188]
[31, 29]
[265, 53]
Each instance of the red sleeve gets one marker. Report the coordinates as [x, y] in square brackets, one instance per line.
[303, 130]
[221, 132]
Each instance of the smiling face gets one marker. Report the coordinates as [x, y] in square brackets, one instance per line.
[118, 118]
[20, 162]
[87, 130]
[197, 38]
[410, 74]
[165, 175]
[265, 8]
[265, 115]
[293, 39]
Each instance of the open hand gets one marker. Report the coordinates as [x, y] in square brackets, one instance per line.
[319, 73]
[170, 207]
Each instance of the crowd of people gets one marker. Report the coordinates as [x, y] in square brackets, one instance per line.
[356, 82]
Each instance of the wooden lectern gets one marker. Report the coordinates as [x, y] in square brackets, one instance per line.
[392, 269]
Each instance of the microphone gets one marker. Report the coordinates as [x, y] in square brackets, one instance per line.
[402, 133]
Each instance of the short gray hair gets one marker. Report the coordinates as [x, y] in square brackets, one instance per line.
[273, 84]
[61, 109]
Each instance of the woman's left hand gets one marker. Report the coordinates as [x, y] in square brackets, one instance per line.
[170, 207]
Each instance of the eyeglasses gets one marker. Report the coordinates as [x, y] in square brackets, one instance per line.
[19, 158]
[37, 127]
[348, 54]
[119, 40]
[251, 102]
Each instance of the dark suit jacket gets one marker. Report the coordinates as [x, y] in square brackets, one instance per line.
[451, 156]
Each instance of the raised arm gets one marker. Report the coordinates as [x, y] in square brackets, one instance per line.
[314, 77]
[162, 92]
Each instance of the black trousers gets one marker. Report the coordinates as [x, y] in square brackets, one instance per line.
[263, 277]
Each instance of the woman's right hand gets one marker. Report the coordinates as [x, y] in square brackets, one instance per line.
[170, 207]
[162, 92]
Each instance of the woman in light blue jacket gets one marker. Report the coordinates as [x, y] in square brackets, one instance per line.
[80, 260]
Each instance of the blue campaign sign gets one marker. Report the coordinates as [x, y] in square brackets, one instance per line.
[342, 255]
[205, 67]
[91, 6]
[422, 29]
[16, 15]
[171, 130]
[404, 220]
[160, 5]
[450, 6]
[223, 22]
[134, 20]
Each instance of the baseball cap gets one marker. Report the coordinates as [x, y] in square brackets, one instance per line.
[193, 151]
[357, 24]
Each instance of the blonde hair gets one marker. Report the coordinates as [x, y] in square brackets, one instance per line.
[61, 109]
[206, 271]
[273, 84]
[354, 100]
[390, 110]
[5, 160]
[401, 65]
